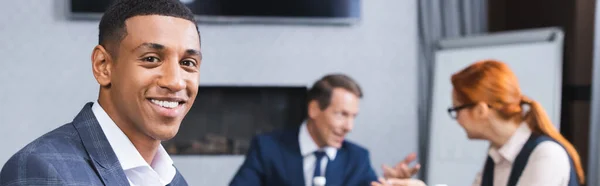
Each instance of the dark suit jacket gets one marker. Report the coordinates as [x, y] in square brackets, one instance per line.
[274, 159]
[76, 153]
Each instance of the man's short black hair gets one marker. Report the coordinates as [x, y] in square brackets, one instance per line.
[112, 25]
[322, 89]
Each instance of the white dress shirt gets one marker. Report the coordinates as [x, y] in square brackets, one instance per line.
[160, 172]
[307, 149]
[548, 164]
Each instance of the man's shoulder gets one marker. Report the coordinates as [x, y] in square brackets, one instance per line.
[58, 145]
[276, 140]
[62, 139]
[56, 153]
[355, 149]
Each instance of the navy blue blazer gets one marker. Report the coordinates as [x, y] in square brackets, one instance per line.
[274, 159]
[76, 153]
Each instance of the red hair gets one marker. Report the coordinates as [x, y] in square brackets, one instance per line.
[493, 82]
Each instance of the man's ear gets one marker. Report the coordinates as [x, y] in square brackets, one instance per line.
[482, 110]
[101, 65]
[313, 109]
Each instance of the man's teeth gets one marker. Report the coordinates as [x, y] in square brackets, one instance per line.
[166, 104]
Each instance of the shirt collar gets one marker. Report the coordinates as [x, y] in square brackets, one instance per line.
[308, 145]
[127, 154]
[513, 146]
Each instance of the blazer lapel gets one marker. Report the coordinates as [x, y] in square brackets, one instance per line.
[102, 157]
[292, 157]
[334, 172]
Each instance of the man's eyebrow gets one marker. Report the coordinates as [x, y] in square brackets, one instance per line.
[154, 46]
[193, 52]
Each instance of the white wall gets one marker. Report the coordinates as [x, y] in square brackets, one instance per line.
[45, 74]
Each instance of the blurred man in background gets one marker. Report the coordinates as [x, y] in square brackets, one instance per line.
[317, 151]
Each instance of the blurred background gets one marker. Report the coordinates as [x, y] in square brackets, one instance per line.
[260, 56]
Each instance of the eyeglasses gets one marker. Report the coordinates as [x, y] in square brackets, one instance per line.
[453, 111]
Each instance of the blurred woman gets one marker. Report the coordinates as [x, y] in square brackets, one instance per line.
[525, 147]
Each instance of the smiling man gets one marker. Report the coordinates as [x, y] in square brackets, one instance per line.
[317, 151]
[147, 65]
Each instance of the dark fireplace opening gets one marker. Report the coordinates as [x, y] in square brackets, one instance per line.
[223, 119]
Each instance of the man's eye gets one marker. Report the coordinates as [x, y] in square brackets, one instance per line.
[188, 63]
[151, 59]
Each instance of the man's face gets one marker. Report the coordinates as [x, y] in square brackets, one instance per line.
[337, 120]
[154, 80]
